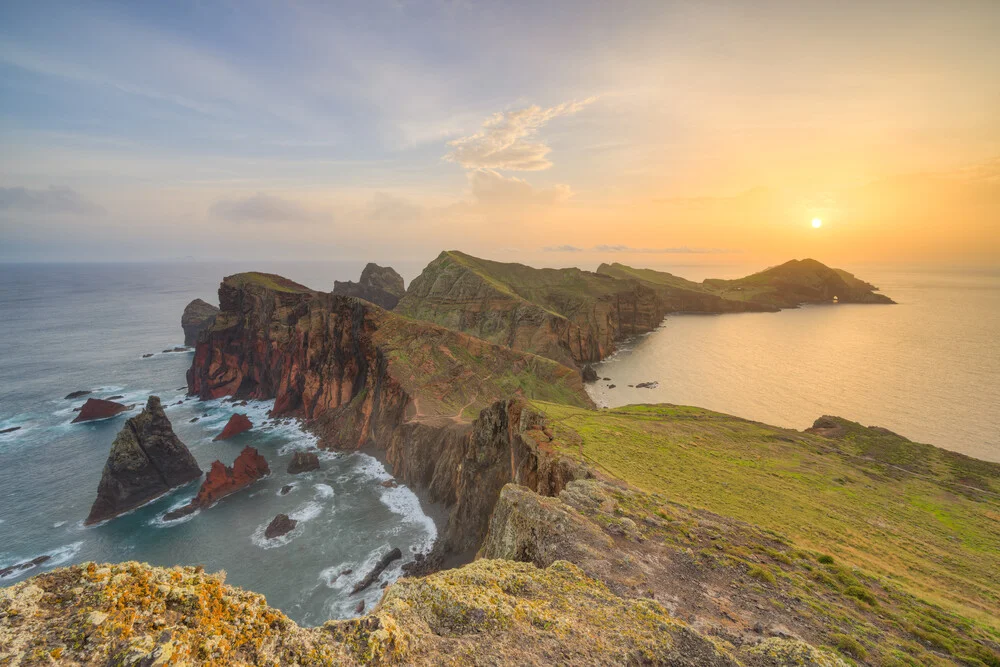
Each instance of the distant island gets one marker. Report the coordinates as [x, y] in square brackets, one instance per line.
[646, 534]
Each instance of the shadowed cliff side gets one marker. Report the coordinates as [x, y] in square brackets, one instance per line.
[379, 284]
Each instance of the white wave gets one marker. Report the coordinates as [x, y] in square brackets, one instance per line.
[306, 512]
[159, 521]
[323, 490]
[369, 467]
[404, 502]
[56, 557]
[59, 524]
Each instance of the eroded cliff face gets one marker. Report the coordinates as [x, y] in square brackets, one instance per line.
[364, 377]
[379, 284]
[568, 315]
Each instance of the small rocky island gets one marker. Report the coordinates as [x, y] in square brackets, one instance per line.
[222, 480]
[147, 459]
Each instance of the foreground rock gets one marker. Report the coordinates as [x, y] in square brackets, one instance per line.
[303, 462]
[383, 563]
[98, 408]
[488, 612]
[237, 424]
[223, 480]
[198, 316]
[279, 526]
[147, 459]
[379, 284]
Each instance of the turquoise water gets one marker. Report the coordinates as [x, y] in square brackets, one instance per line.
[927, 368]
[87, 327]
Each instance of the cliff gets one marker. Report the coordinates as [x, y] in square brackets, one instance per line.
[365, 377]
[568, 315]
[198, 316]
[380, 285]
[798, 282]
[146, 461]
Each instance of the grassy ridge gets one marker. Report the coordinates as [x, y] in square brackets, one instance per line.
[927, 528]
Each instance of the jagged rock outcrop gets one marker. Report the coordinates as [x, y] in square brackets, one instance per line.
[378, 569]
[303, 462]
[237, 424]
[223, 480]
[147, 459]
[379, 284]
[364, 376]
[98, 408]
[279, 526]
[77, 394]
[198, 316]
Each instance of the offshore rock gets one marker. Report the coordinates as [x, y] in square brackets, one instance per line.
[98, 408]
[198, 316]
[77, 394]
[279, 526]
[237, 424]
[222, 481]
[147, 459]
[383, 563]
[380, 285]
[589, 374]
[303, 462]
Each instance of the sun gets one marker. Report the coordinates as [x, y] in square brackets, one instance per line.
[817, 223]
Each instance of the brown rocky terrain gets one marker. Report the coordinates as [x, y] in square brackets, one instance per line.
[146, 461]
[223, 480]
[198, 316]
[379, 284]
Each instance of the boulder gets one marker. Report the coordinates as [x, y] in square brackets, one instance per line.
[589, 374]
[383, 563]
[279, 526]
[237, 424]
[222, 480]
[303, 462]
[77, 394]
[97, 408]
[198, 316]
[146, 460]
[648, 385]
[10, 430]
[286, 489]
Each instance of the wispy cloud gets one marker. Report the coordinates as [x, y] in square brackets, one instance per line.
[260, 208]
[508, 139]
[680, 250]
[59, 200]
[493, 189]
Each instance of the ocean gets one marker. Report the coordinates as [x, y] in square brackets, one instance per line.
[928, 368]
[86, 327]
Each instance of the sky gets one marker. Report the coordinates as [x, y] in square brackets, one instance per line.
[551, 133]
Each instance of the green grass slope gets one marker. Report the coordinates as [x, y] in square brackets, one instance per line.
[919, 516]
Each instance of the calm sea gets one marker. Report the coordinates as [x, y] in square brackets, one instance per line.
[927, 368]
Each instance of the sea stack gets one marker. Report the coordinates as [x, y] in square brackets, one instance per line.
[237, 424]
[98, 408]
[147, 459]
[380, 285]
[198, 316]
[222, 480]
[303, 462]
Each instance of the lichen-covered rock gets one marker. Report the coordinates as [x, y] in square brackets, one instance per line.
[147, 459]
[380, 285]
[198, 316]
